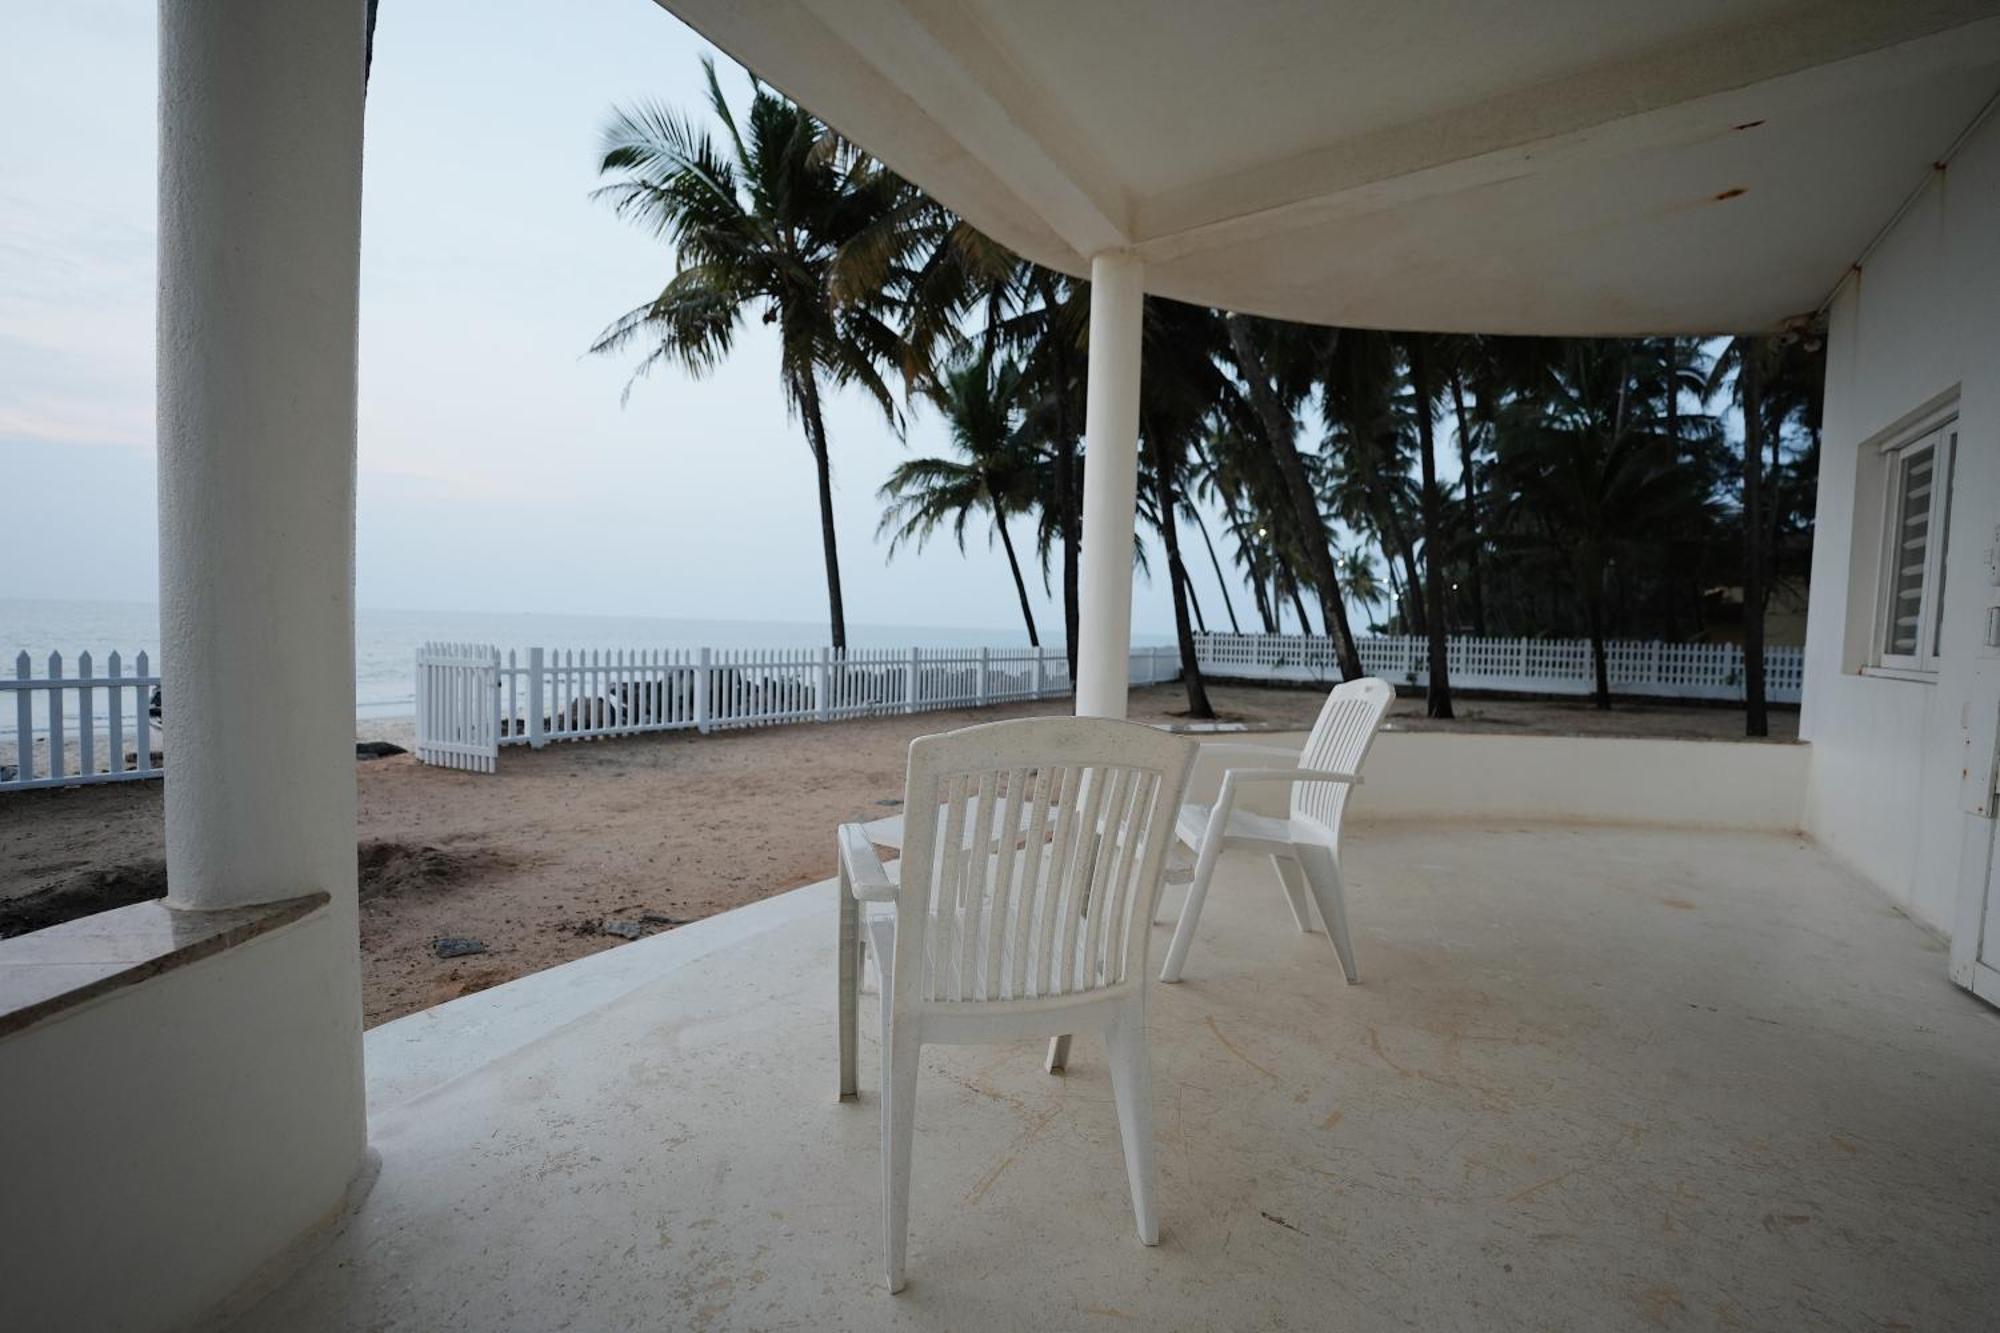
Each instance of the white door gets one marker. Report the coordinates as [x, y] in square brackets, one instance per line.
[1975, 944]
[1975, 936]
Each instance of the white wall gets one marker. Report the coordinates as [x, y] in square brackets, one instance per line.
[1915, 325]
[160, 1144]
[1592, 779]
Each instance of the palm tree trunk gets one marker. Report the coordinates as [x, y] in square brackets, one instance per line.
[816, 437]
[1194, 604]
[1438, 695]
[1263, 601]
[1673, 397]
[1469, 479]
[1228, 603]
[1249, 553]
[1279, 429]
[1594, 609]
[1065, 462]
[1299, 607]
[1020, 586]
[1396, 549]
[1163, 496]
[1406, 551]
[1756, 721]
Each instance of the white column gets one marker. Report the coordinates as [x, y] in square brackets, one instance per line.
[1110, 486]
[259, 255]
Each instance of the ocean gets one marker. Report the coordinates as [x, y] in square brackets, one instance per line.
[385, 641]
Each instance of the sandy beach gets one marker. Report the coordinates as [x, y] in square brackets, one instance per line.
[643, 833]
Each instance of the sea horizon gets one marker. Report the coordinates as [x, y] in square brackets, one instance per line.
[386, 638]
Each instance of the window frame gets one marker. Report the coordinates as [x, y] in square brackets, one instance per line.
[1938, 432]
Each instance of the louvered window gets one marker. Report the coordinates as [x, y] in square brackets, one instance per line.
[1919, 504]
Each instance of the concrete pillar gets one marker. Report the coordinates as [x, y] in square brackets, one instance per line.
[259, 256]
[1110, 486]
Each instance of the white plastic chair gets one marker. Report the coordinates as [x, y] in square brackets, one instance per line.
[996, 937]
[1304, 846]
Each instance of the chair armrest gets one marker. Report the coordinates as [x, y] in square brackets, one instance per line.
[1246, 753]
[1243, 775]
[862, 868]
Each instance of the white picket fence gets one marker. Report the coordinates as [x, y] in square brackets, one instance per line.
[472, 699]
[63, 738]
[1645, 668]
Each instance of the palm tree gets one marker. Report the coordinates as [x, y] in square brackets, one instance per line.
[1461, 358]
[1752, 359]
[1263, 352]
[1234, 466]
[1588, 480]
[1417, 347]
[1050, 333]
[759, 223]
[1195, 485]
[1367, 437]
[1357, 576]
[1180, 343]
[995, 474]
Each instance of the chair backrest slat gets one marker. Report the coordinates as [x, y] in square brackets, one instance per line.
[1032, 856]
[976, 890]
[1042, 796]
[997, 927]
[1077, 880]
[1340, 740]
[1048, 909]
[1096, 903]
[950, 864]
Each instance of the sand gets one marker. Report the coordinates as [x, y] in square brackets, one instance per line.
[645, 832]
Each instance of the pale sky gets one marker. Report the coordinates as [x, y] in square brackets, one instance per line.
[498, 470]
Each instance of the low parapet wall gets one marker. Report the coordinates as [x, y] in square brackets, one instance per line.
[1586, 779]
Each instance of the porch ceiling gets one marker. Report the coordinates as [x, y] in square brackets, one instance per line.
[1591, 1078]
[1570, 166]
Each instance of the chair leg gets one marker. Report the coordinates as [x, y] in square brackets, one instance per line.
[1058, 1057]
[849, 979]
[1160, 902]
[1132, 1087]
[900, 1055]
[1204, 870]
[1323, 874]
[1293, 880]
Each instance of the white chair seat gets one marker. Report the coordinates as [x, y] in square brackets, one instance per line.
[1244, 830]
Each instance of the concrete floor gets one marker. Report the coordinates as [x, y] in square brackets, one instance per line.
[1591, 1079]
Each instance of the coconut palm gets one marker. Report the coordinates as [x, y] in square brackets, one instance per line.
[1195, 485]
[994, 475]
[1180, 343]
[1358, 578]
[1273, 363]
[1417, 347]
[1589, 480]
[1233, 466]
[1368, 437]
[1750, 360]
[1049, 334]
[759, 223]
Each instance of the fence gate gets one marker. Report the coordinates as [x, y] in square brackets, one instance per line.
[458, 705]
